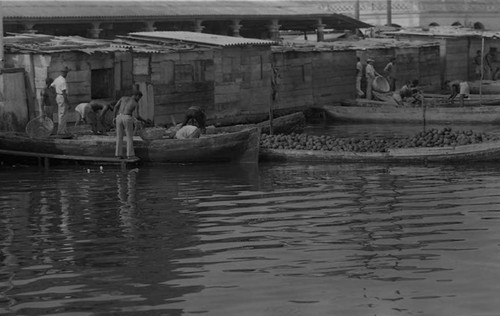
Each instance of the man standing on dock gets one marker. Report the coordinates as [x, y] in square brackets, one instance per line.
[390, 72]
[370, 76]
[125, 107]
[359, 75]
[62, 100]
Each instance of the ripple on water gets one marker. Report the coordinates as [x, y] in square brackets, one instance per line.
[279, 240]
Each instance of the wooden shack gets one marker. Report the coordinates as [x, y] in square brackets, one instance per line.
[230, 80]
[458, 47]
[308, 77]
[312, 75]
[92, 65]
[413, 59]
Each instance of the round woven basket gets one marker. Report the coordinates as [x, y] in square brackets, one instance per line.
[380, 84]
[152, 133]
[40, 127]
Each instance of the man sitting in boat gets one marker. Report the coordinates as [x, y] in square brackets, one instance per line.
[409, 93]
[460, 88]
[194, 124]
[93, 113]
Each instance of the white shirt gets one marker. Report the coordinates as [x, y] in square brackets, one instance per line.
[188, 131]
[370, 71]
[60, 85]
[83, 109]
[464, 88]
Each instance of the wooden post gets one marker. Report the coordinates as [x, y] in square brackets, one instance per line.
[389, 12]
[423, 108]
[482, 72]
[356, 10]
[1, 38]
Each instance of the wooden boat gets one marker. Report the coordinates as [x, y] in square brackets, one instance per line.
[286, 124]
[378, 111]
[435, 99]
[238, 147]
[484, 87]
[481, 152]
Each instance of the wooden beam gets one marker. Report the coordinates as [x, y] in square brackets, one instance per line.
[112, 160]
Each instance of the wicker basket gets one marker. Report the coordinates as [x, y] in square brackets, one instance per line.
[381, 84]
[152, 133]
[40, 127]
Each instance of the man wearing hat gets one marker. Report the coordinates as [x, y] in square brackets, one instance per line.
[62, 100]
[370, 76]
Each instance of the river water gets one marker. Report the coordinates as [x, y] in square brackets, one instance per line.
[274, 239]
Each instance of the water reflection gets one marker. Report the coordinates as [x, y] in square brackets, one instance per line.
[274, 239]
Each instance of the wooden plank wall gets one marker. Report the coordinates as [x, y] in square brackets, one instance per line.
[315, 78]
[14, 112]
[242, 82]
[79, 78]
[295, 82]
[181, 80]
[407, 65]
[420, 62]
[33, 94]
[429, 68]
[457, 59]
[334, 76]
[475, 45]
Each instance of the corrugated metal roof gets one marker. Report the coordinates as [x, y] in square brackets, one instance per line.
[55, 44]
[342, 45]
[447, 32]
[72, 9]
[202, 38]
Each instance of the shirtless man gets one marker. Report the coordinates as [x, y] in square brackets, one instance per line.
[124, 121]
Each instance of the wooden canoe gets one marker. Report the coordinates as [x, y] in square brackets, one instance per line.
[481, 152]
[238, 147]
[286, 124]
[383, 112]
[485, 87]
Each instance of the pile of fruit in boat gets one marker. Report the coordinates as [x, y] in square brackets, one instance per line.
[428, 138]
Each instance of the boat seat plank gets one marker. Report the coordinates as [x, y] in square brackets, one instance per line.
[69, 157]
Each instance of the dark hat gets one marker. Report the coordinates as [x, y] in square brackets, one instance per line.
[65, 69]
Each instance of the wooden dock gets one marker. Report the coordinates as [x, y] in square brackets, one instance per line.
[44, 158]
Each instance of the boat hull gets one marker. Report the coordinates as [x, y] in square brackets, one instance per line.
[484, 87]
[391, 113]
[238, 147]
[286, 124]
[481, 152]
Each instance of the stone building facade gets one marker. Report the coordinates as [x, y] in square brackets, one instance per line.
[420, 13]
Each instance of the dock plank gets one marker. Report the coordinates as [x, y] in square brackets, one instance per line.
[69, 157]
